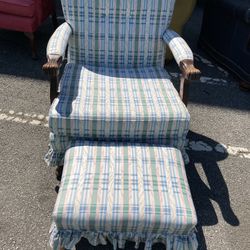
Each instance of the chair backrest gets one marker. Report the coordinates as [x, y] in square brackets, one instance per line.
[118, 33]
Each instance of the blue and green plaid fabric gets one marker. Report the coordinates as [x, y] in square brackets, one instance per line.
[124, 192]
[107, 104]
[118, 33]
[121, 39]
[178, 46]
[59, 40]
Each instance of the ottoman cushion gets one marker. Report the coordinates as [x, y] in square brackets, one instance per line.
[119, 192]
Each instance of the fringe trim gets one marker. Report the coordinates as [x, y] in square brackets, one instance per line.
[69, 238]
[53, 159]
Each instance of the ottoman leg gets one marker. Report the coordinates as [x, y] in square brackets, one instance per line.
[58, 173]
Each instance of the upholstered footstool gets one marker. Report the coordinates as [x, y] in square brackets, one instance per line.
[123, 192]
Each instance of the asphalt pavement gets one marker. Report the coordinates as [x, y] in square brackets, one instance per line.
[219, 148]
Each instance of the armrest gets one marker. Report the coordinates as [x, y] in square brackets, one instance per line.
[184, 57]
[182, 53]
[56, 48]
[55, 53]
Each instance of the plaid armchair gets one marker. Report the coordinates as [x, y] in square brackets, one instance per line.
[114, 86]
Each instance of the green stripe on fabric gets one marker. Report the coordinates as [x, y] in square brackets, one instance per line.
[95, 121]
[157, 30]
[125, 188]
[96, 180]
[144, 106]
[163, 90]
[182, 172]
[119, 104]
[157, 202]
[62, 193]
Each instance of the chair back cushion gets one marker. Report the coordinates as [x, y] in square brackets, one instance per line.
[118, 33]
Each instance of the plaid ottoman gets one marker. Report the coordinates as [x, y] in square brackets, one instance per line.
[124, 192]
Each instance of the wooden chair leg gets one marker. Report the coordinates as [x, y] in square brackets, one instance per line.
[53, 88]
[189, 73]
[59, 171]
[184, 89]
[31, 37]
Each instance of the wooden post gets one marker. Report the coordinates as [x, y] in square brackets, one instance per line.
[31, 37]
[189, 73]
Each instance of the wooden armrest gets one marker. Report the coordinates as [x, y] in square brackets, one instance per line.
[52, 66]
[52, 69]
[189, 72]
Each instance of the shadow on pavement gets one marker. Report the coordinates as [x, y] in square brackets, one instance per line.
[215, 189]
[202, 193]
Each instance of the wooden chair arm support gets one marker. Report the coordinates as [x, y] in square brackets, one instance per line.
[52, 69]
[52, 66]
[189, 73]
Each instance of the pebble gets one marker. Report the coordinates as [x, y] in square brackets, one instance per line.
[9, 118]
[236, 150]
[232, 150]
[12, 112]
[40, 117]
[17, 119]
[35, 122]
[246, 156]
[3, 116]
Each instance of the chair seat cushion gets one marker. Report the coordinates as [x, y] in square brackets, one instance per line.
[19, 8]
[139, 105]
[124, 192]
